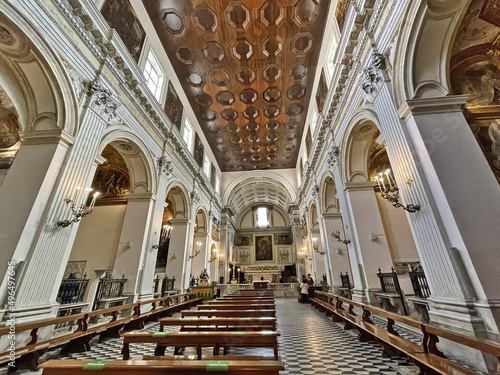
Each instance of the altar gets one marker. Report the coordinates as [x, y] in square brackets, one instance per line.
[271, 274]
[260, 284]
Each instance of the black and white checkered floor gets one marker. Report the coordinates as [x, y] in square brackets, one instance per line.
[310, 343]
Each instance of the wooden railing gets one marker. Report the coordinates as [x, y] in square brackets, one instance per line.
[425, 353]
[81, 330]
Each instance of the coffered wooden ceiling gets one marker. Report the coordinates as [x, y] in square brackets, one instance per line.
[247, 68]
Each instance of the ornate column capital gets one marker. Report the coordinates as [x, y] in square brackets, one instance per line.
[195, 197]
[165, 167]
[332, 156]
[374, 75]
[102, 99]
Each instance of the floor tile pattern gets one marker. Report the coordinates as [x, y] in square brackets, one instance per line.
[310, 344]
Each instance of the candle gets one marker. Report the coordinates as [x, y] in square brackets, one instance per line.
[378, 182]
[77, 196]
[388, 178]
[93, 200]
[87, 193]
[382, 180]
[391, 176]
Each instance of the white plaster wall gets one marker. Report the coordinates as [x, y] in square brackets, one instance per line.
[288, 174]
[97, 238]
[399, 236]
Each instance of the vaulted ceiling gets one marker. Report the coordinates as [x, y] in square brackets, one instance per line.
[247, 68]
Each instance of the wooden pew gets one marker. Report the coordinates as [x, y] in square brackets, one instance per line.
[264, 323]
[241, 301]
[78, 339]
[248, 298]
[162, 367]
[425, 354]
[248, 306]
[199, 340]
[229, 313]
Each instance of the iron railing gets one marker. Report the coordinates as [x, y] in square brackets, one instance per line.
[346, 283]
[167, 285]
[390, 284]
[419, 282]
[109, 287]
[72, 290]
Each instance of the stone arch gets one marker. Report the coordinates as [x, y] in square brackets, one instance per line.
[201, 218]
[143, 178]
[313, 216]
[33, 75]
[423, 49]
[355, 149]
[328, 194]
[177, 197]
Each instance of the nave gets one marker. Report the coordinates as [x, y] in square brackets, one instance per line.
[310, 344]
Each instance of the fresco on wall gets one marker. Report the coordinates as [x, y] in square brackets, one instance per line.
[341, 12]
[475, 71]
[121, 16]
[111, 179]
[199, 149]
[263, 248]
[283, 239]
[322, 91]
[244, 240]
[173, 106]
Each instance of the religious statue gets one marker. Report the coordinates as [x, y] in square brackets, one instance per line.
[204, 278]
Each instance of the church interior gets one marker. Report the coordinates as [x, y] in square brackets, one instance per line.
[310, 185]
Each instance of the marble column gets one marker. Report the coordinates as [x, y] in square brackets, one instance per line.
[43, 248]
[440, 227]
[363, 207]
[131, 260]
[297, 241]
[467, 197]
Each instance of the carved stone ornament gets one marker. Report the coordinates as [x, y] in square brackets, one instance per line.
[332, 156]
[103, 98]
[373, 75]
[195, 197]
[315, 191]
[166, 167]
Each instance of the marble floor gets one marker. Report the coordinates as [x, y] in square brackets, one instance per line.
[310, 344]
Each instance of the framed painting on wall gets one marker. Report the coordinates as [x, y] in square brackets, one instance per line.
[173, 106]
[263, 248]
[199, 149]
[121, 16]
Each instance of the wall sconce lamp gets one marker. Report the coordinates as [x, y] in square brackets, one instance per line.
[315, 247]
[336, 235]
[214, 256]
[303, 254]
[78, 206]
[164, 235]
[391, 192]
[198, 246]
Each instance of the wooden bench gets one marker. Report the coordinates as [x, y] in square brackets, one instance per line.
[241, 301]
[229, 313]
[78, 340]
[199, 340]
[249, 298]
[164, 366]
[261, 323]
[425, 354]
[246, 306]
